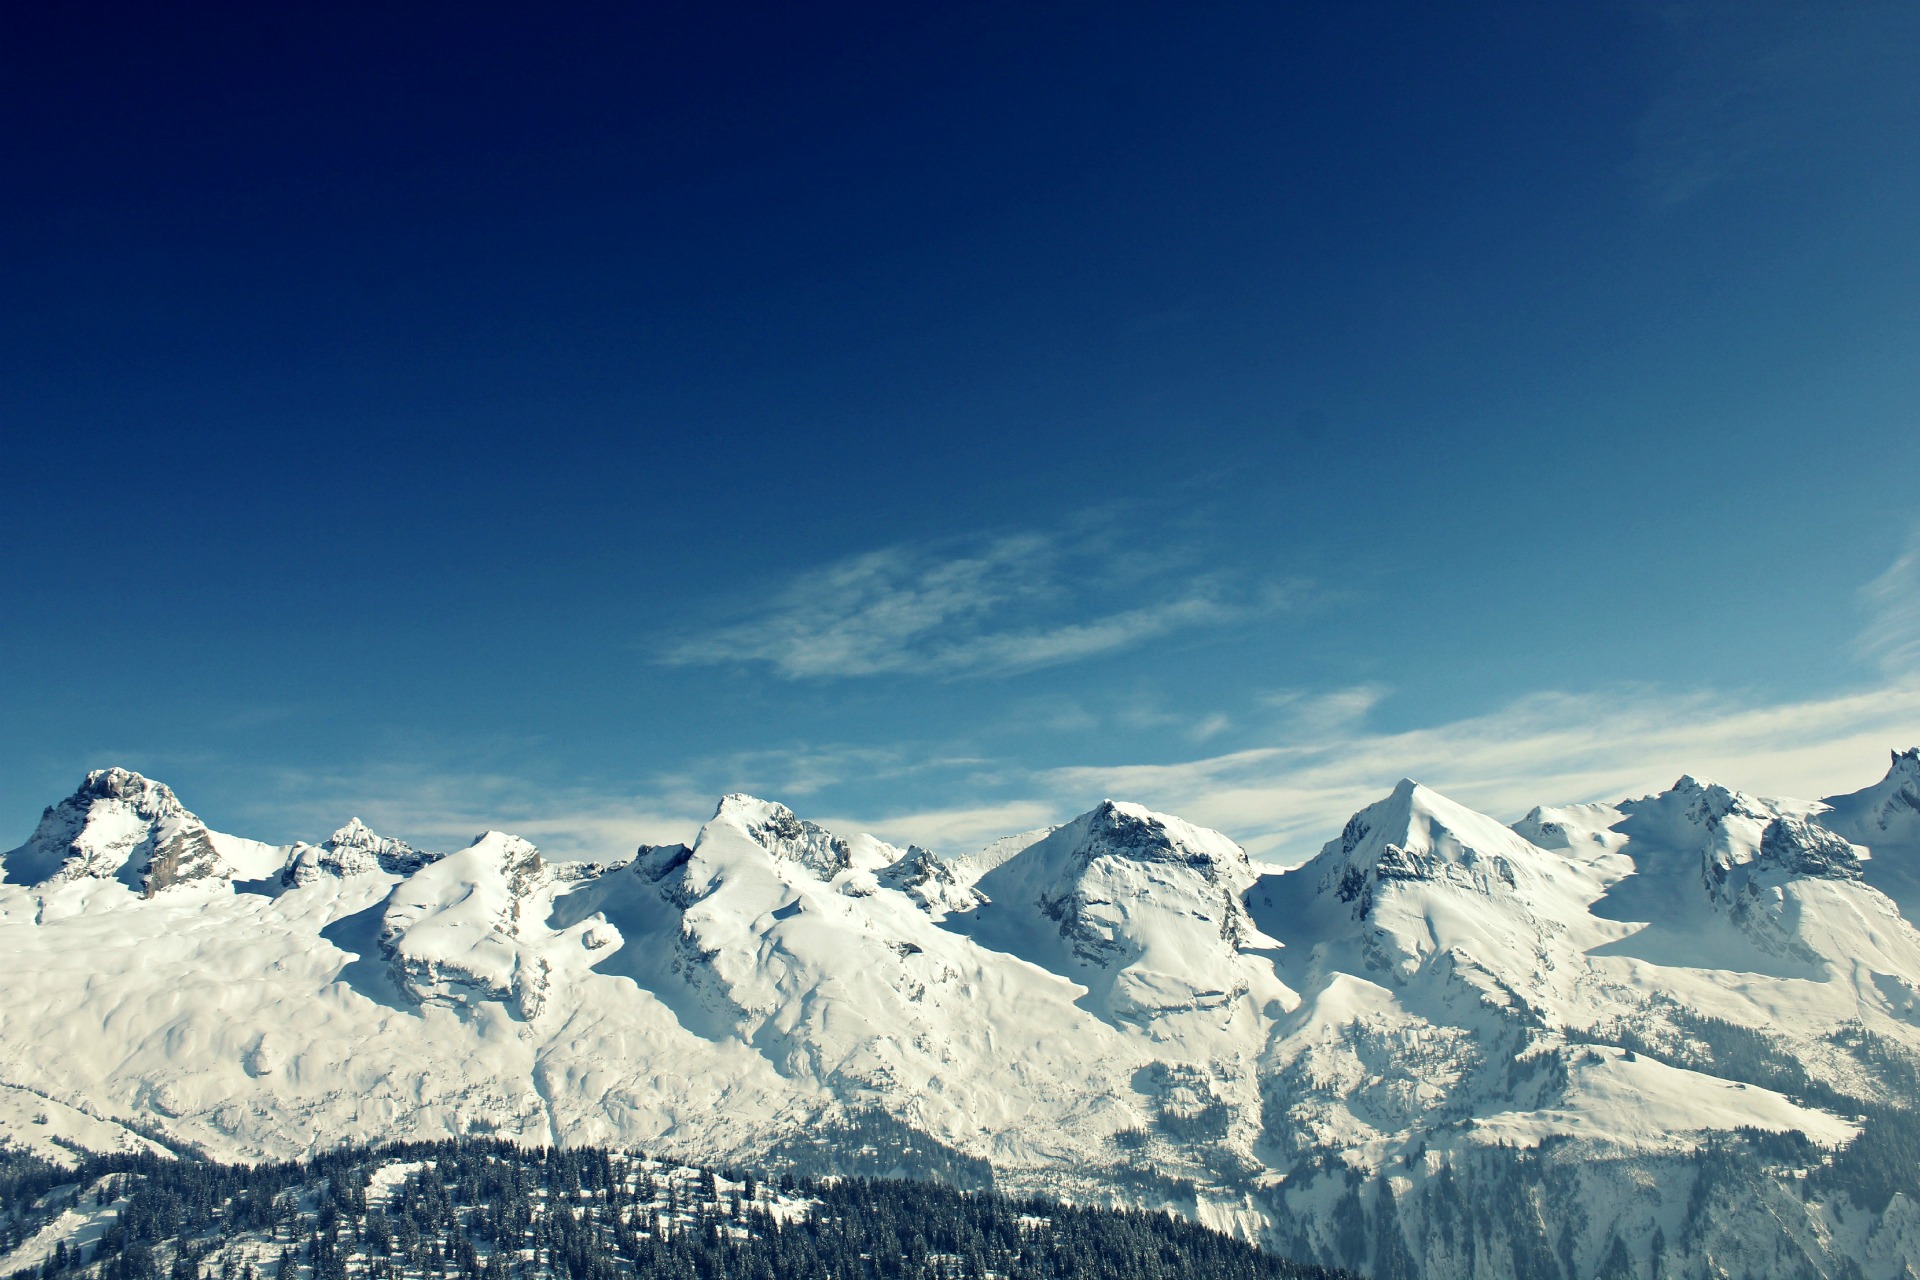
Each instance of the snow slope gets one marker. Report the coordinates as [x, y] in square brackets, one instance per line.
[1885, 818]
[1119, 1008]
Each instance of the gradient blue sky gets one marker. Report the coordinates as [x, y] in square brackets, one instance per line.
[940, 417]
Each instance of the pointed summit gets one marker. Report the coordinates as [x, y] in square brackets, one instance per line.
[1422, 892]
[355, 849]
[355, 833]
[1886, 813]
[1416, 833]
[931, 881]
[1144, 907]
[118, 825]
[1705, 820]
[776, 829]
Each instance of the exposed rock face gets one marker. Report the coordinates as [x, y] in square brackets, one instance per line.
[119, 825]
[1148, 908]
[1418, 836]
[353, 850]
[453, 929]
[775, 828]
[932, 881]
[1119, 1008]
[1797, 847]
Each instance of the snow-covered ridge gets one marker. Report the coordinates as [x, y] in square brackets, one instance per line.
[1889, 810]
[351, 851]
[1121, 1006]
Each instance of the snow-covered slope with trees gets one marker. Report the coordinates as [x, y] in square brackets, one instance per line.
[1663, 1034]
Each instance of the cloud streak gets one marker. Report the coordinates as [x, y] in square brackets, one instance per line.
[1749, 86]
[1284, 800]
[1015, 604]
[1315, 758]
[1281, 800]
[1891, 639]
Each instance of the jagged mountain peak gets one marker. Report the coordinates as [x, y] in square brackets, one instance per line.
[1906, 765]
[1708, 802]
[355, 834]
[779, 831]
[1145, 907]
[1885, 813]
[147, 797]
[354, 849]
[1693, 817]
[1413, 832]
[118, 825]
[930, 880]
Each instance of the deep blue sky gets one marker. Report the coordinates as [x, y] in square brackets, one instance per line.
[941, 416]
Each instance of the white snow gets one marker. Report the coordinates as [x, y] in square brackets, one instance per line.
[1633, 1101]
[1121, 992]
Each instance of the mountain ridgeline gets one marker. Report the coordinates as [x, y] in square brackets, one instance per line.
[1669, 1036]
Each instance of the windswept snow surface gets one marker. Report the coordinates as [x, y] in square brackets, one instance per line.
[1120, 1008]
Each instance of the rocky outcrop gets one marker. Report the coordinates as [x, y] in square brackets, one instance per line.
[119, 825]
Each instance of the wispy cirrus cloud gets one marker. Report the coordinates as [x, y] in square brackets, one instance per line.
[1750, 89]
[1283, 800]
[1306, 760]
[1891, 638]
[1321, 760]
[438, 804]
[1012, 604]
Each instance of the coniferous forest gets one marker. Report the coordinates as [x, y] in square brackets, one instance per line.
[490, 1210]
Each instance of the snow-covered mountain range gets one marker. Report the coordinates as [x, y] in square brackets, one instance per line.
[1602, 1007]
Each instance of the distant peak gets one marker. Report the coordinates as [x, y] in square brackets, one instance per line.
[358, 835]
[1122, 813]
[353, 849]
[1906, 765]
[124, 784]
[504, 840]
[355, 832]
[1414, 833]
[1709, 802]
[782, 833]
[739, 802]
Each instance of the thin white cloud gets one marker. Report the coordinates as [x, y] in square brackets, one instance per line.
[1751, 88]
[1891, 639]
[1016, 604]
[1283, 801]
[964, 828]
[1321, 761]
[442, 804]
